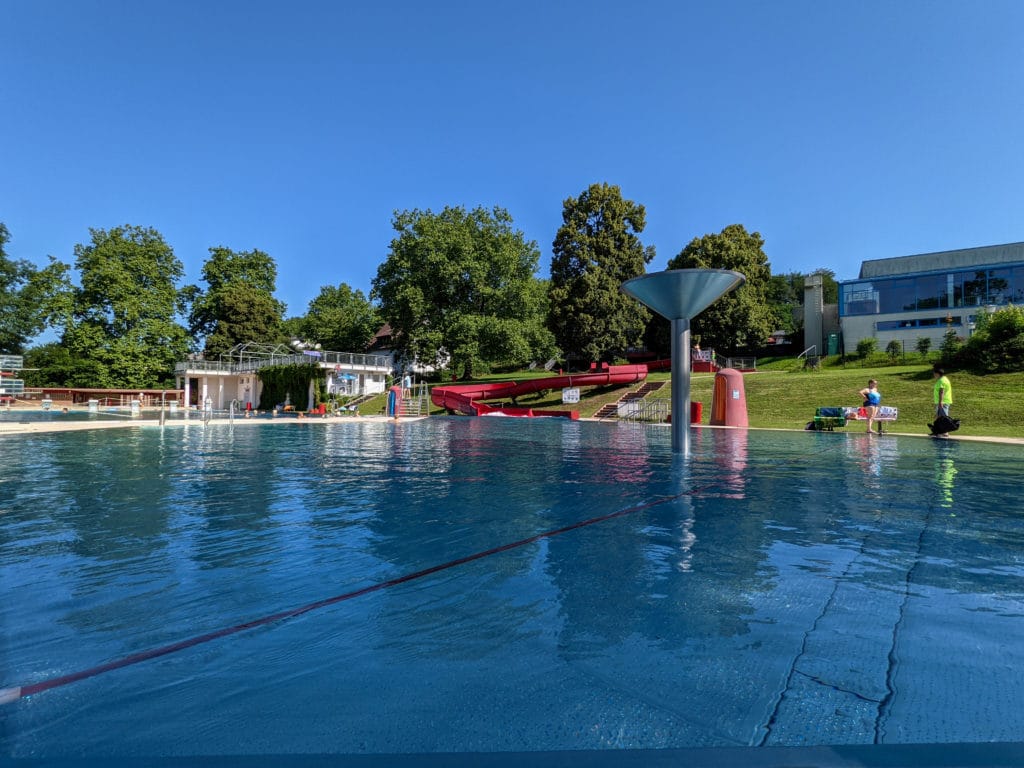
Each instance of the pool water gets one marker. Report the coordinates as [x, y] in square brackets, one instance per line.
[56, 416]
[775, 588]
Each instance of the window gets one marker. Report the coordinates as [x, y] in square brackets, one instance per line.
[999, 281]
[1017, 286]
[859, 299]
[896, 295]
[975, 292]
[931, 291]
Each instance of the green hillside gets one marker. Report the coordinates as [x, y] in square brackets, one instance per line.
[990, 405]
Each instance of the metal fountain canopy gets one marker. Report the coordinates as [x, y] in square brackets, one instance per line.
[679, 295]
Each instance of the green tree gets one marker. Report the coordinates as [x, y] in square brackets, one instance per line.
[924, 344]
[245, 315]
[596, 249]
[742, 318]
[950, 348]
[784, 294]
[997, 345]
[30, 298]
[213, 316]
[123, 314]
[340, 318]
[52, 365]
[894, 350]
[459, 286]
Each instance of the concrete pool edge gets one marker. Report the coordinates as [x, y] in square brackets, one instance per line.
[40, 427]
[957, 755]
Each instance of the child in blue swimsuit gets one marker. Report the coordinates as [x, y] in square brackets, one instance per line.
[872, 399]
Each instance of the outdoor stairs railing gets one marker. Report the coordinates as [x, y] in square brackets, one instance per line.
[612, 409]
[418, 404]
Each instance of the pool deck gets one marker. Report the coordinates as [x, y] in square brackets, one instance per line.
[35, 427]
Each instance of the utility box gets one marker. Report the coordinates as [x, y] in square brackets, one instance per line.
[729, 400]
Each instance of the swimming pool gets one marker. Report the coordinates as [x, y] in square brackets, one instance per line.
[774, 589]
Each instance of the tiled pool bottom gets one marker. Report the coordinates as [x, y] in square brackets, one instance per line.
[776, 589]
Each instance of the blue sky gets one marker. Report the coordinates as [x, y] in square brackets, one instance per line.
[840, 131]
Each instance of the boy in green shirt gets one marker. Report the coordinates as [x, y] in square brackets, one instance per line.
[943, 391]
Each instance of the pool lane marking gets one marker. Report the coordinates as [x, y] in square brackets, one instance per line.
[14, 693]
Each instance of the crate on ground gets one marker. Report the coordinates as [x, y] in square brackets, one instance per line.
[827, 418]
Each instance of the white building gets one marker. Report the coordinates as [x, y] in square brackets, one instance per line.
[235, 375]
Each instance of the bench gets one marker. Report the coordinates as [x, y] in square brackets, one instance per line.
[886, 413]
[828, 418]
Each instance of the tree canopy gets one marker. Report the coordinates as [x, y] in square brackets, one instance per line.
[742, 318]
[459, 286]
[28, 297]
[339, 318]
[997, 344]
[221, 314]
[596, 249]
[122, 317]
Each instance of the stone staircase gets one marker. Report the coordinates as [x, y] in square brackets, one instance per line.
[611, 409]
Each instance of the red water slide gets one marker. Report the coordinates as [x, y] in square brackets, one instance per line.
[467, 398]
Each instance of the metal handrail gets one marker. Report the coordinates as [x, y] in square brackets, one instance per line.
[325, 360]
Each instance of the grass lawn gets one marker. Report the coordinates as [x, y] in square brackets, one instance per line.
[988, 405]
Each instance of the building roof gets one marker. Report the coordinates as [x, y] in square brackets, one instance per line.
[964, 258]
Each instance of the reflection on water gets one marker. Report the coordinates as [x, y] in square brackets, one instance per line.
[756, 592]
[730, 452]
[945, 475]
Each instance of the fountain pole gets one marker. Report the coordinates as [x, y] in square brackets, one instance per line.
[681, 392]
[679, 295]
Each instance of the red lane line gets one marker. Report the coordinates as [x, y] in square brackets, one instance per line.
[12, 694]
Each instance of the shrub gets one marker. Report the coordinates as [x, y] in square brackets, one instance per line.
[997, 345]
[866, 347]
[924, 344]
[894, 350]
[950, 348]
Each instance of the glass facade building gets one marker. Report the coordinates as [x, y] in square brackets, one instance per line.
[941, 290]
[909, 297]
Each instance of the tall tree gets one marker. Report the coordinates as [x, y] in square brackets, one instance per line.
[460, 285]
[123, 315]
[784, 294]
[596, 249]
[214, 314]
[245, 315]
[340, 318]
[742, 318]
[29, 297]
